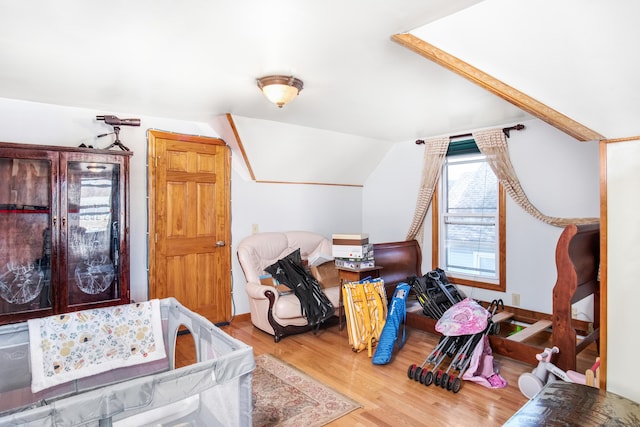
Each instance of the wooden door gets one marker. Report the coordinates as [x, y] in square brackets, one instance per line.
[189, 222]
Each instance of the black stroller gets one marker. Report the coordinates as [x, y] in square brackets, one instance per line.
[434, 292]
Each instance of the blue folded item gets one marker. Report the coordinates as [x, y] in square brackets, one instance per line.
[396, 316]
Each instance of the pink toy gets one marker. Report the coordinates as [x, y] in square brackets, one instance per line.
[531, 383]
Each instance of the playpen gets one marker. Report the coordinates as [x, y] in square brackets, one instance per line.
[214, 391]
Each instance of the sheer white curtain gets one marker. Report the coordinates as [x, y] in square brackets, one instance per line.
[435, 151]
[493, 144]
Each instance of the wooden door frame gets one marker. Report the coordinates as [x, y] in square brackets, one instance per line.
[152, 135]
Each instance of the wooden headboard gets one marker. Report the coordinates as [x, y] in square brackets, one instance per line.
[578, 265]
[398, 260]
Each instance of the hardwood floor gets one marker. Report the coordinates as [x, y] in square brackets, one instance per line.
[387, 395]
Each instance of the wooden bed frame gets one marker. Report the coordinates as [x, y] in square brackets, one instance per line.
[398, 260]
[577, 264]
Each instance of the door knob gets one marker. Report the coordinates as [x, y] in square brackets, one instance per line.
[220, 243]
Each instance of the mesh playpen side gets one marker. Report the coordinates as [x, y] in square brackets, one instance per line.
[214, 391]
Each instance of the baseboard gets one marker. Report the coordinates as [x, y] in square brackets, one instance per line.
[241, 317]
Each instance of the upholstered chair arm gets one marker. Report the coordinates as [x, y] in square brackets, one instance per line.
[257, 290]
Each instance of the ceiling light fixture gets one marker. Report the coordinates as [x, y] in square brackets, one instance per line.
[280, 89]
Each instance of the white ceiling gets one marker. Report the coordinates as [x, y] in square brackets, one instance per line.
[198, 59]
[578, 57]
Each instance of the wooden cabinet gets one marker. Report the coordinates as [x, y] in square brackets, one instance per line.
[350, 275]
[63, 230]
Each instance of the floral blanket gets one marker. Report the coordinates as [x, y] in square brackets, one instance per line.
[69, 346]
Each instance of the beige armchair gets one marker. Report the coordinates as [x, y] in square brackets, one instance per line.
[276, 314]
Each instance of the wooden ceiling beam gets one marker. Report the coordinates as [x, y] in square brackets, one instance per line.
[499, 88]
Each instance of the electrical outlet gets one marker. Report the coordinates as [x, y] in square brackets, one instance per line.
[255, 229]
[515, 300]
[574, 313]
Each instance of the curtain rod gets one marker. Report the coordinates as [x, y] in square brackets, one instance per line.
[464, 135]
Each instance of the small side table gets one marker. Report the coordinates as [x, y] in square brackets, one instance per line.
[347, 275]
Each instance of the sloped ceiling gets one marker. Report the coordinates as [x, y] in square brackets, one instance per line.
[198, 60]
[576, 57]
[310, 155]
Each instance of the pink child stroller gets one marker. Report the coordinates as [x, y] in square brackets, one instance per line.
[464, 327]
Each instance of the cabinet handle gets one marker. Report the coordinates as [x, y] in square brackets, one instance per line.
[220, 243]
[64, 221]
[55, 220]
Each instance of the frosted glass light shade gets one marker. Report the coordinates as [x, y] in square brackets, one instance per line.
[280, 89]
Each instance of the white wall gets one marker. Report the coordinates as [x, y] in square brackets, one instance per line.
[560, 176]
[623, 268]
[325, 209]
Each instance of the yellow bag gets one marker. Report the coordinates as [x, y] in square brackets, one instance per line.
[365, 306]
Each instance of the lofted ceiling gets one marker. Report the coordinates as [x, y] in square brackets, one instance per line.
[577, 58]
[197, 60]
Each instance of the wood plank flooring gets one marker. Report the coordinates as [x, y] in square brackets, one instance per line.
[387, 395]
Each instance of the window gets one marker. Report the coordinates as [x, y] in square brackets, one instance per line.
[469, 220]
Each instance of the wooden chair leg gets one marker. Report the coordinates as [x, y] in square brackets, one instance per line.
[280, 331]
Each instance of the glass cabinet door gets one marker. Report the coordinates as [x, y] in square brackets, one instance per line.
[25, 235]
[92, 231]
[63, 233]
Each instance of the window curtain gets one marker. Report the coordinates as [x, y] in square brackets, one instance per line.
[434, 153]
[493, 144]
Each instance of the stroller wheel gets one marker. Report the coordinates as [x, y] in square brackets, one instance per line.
[423, 375]
[457, 384]
[452, 379]
[411, 370]
[428, 378]
[438, 378]
[417, 374]
[444, 380]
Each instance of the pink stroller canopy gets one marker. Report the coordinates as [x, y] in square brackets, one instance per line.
[466, 317]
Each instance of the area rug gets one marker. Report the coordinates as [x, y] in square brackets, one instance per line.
[285, 396]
